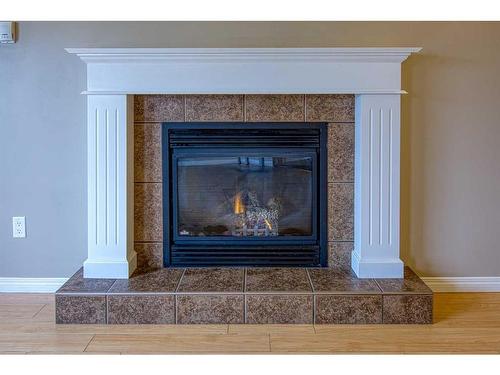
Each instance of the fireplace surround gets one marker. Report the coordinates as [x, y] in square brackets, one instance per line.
[238, 194]
[206, 102]
[115, 75]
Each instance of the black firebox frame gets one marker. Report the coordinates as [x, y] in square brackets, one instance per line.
[258, 139]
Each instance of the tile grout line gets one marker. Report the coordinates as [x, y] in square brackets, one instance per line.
[179, 282]
[244, 295]
[244, 107]
[73, 294]
[148, 122]
[106, 302]
[256, 293]
[184, 107]
[313, 296]
[378, 286]
[305, 108]
[382, 297]
[342, 182]
[111, 286]
[176, 301]
[310, 281]
[175, 309]
[155, 293]
[244, 280]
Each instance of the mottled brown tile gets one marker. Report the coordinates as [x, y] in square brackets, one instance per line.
[334, 281]
[80, 309]
[208, 280]
[330, 108]
[339, 255]
[147, 153]
[410, 284]
[148, 218]
[408, 309]
[214, 107]
[341, 212]
[210, 309]
[277, 280]
[274, 107]
[161, 108]
[340, 152]
[141, 309]
[279, 309]
[164, 280]
[78, 284]
[149, 256]
[348, 309]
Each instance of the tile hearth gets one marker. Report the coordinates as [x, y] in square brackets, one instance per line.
[244, 295]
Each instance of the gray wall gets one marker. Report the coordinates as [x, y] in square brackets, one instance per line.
[450, 139]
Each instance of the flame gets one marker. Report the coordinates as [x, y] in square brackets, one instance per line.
[239, 207]
[268, 224]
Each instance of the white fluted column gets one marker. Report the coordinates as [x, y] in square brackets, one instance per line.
[110, 149]
[377, 187]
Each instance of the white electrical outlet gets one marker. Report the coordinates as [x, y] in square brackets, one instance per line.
[19, 227]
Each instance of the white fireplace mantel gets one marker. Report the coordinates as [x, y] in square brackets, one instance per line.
[114, 75]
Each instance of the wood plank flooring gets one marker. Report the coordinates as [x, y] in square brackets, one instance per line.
[464, 323]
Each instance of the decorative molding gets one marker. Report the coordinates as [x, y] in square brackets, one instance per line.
[376, 187]
[463, 284]
[115, 71]
[31, 284]
[109, 187]
[196, 55]
[332, 91]
[109, 268]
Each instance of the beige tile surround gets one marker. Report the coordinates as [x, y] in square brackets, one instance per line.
[151, 110]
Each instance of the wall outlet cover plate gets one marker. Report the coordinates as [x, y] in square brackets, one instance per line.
[19, 227]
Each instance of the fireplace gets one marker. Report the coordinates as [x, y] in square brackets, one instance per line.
[244, 194]
[370, 75]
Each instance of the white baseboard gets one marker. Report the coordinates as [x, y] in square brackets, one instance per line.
[31, 284]
[463, 284]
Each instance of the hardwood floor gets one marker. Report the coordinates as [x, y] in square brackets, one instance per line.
[464, 323]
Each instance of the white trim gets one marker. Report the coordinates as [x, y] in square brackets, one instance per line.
[110, 189]
[120, 55]
[109, 269]
[463, 284]
[127, 71]
[374, 269]
[209, 91]
[376, 187]
[31, 284]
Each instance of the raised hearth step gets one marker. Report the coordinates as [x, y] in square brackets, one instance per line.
[244, 295]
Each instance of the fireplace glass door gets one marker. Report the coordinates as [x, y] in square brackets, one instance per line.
[244, 194]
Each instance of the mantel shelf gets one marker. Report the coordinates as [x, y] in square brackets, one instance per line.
[112, 71]
[385, 54]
